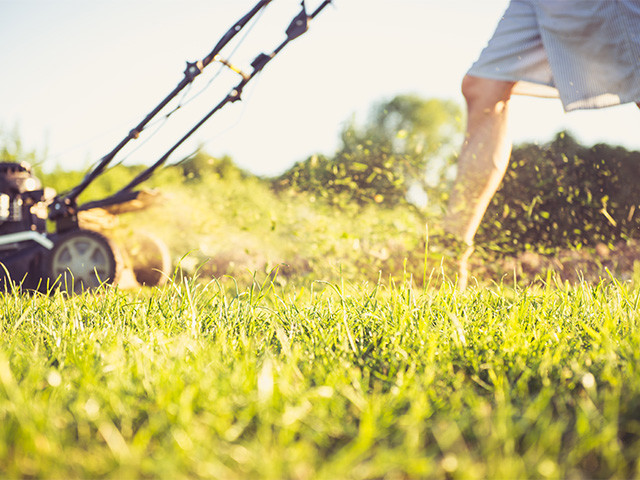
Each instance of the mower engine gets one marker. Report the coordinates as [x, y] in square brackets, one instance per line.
[23, 221]
[23, 205]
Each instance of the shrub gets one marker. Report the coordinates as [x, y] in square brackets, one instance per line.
[564, 194]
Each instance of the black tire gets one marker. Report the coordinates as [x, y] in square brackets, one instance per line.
[149, 257]
[83, 260]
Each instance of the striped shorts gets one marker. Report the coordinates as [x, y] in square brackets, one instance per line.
[586, 52]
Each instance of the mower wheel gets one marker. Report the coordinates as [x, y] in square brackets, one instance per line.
[83, 260]
[149, 258]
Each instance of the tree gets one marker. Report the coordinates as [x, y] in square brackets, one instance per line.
[402, 139]
[419, 130]
[411, 140]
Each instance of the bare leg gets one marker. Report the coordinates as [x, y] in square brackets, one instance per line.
[482, 162]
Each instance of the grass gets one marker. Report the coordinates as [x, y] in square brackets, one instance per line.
[347, 364]
[332, 381]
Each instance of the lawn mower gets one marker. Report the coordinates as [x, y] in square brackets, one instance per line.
[72, 257]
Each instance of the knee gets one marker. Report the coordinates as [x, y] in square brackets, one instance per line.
[485, 93]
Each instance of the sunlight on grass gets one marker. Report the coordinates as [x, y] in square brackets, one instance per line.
[332, 381]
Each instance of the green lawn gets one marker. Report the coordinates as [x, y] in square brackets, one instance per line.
[331, 381]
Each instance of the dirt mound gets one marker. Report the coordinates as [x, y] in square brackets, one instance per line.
[573, 265]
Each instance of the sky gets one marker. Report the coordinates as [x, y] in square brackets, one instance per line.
[77, 75]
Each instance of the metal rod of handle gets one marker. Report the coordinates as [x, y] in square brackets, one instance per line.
[234, 95]
[191, 72]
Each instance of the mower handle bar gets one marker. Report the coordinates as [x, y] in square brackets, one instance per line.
[298, 26]
[191, 72]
